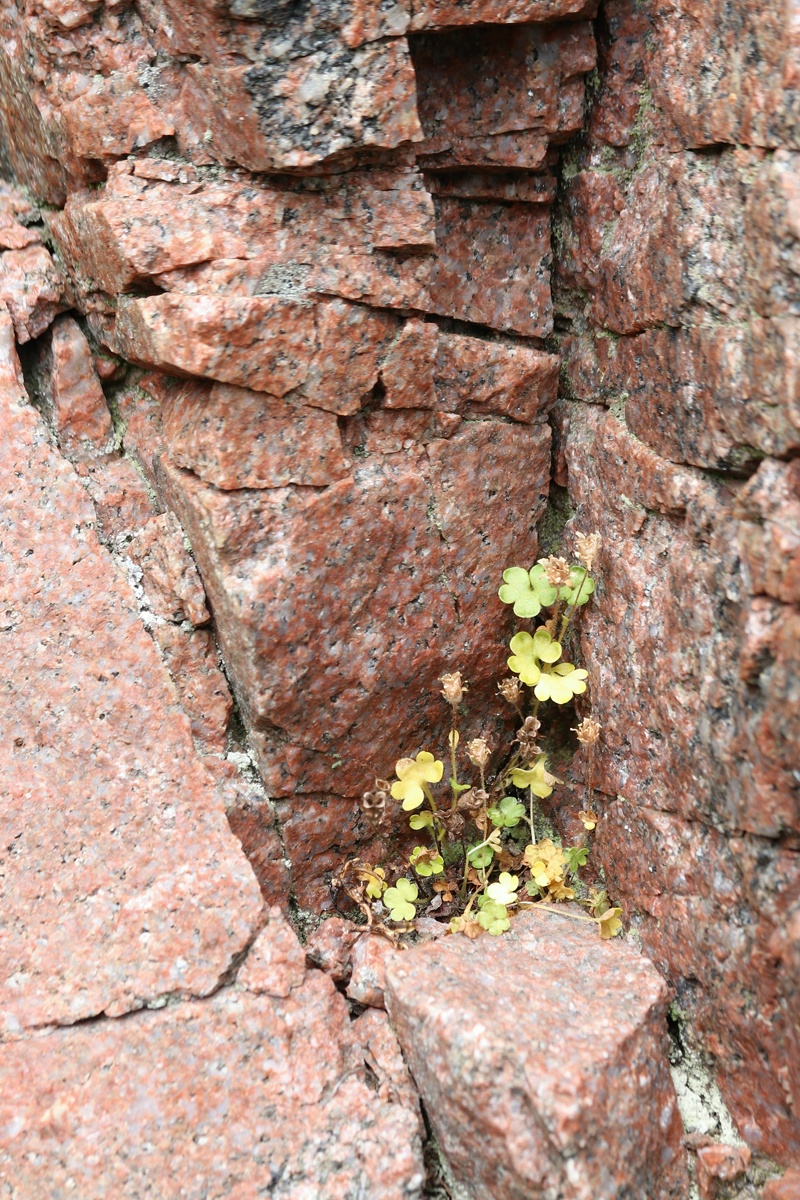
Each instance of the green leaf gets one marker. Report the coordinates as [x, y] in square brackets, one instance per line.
[528, 591]
[480, 856]
[423, 820]
[508, 813]
[400, 900]
[576, 856]
[493, 917]
[423, 864]
[576, 586]
[459, 787]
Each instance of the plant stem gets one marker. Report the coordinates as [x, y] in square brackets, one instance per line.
[533, 829]
[568, 614]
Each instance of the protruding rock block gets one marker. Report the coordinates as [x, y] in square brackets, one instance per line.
[121, 882]
[545, 1048]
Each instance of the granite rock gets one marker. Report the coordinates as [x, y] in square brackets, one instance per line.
[785, 1188]
[717, 720]
[367, 983]
[726, 74]
[698, 755]
[152, 896]
[565, 1075]
[223, 1097]
[72, 397]
[720, 1164]
[31, 289]
[399, 524]
[169, 575]
[251, 818]
[192, 660]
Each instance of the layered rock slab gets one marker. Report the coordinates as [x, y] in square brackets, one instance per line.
[541, 1059]
[120, 881]
[258, 1090]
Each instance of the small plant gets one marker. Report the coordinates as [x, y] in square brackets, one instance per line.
[480, 859]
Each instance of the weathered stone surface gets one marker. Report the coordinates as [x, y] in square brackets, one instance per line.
[276, 964]
[363, 558]
[698, 745]
[367, 983]
[727, 73]
[121, 500]
[234, 236]
[330, 947]
[430, 14]
[720, 1165]
[383, 1056]
[31, 289]
[785, 1188]
[252, 819]
[151, 895]
[169, 575]
[16, 218]
[493, 265]
[71, 396]
[565, 1075]
[511, 380]
[718, 718]
[476, 87]
[275, 116]
[192, 660]
[713, 396]
[236, 438]
[226, 1096]
[769, 534]
[330, 352]
[717, 916]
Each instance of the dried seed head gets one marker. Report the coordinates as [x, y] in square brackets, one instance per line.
[374, 803]
[587, 548]
[556, 570]
[478, 752]
[454, 688]
[588, 731]
[526, 736]
[473, 801]
[511, 690]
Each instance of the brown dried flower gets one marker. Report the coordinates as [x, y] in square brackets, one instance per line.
[588, 731]
[526, 736]
[478, 752]
[511, 690]
[454, 823]
[454, 688]
[556, 570]
[473, 801]
[587, 548]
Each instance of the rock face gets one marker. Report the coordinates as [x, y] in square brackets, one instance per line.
[152, 897]
[677, 290]
[540, 1059]
[331, 294]
[354, 472]
[261, 1085]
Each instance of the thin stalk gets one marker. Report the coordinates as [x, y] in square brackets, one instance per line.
[533, 828]
[569, 613]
